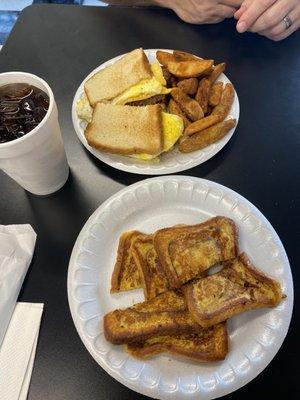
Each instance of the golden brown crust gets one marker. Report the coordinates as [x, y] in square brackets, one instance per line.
[125, 275]
[217, 71]
[145, 257]
[170, 79]
[165, 314]
[184, 56]
[205, 346]
[126, 129]
[201, 124]
[188, 86]
[216, 239]
[164, 57]
[237, 288]
[202, 94]
[191, 107]
[174, 108]
[224, 106]
[262, 277]
[204, 138]
[189, 69]
[146, 326]
[215, 94]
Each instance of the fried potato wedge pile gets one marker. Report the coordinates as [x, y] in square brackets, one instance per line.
[198, 97]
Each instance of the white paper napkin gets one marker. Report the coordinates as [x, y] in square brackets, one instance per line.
[18, 349]
[19, 323]
[16, 249]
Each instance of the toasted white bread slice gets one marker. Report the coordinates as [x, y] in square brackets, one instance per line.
[126, 129]
[116, 78]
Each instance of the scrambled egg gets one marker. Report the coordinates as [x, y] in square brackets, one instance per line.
[145, 89]
[83, 109]
[172, 130]
[158, 73]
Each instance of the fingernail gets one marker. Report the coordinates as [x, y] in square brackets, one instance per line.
[241, 26]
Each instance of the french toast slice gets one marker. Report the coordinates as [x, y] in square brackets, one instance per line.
[187, 251]
[153, 278]
[163, 315]
[126, 275]
[238, 287]
[209, 344]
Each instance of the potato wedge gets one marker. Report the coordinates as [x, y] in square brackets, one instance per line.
[223, 108]
[183, 56]
[164, 57]
[218, 69]
[208, 72]
[202, 124]
[175, 109]
[215, 94]
[206, 137]
[170, 79]
[202, 95]
[189, 106]
[189, 85]
[189, 69]
[209, 110]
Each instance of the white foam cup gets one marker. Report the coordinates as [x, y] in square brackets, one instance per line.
[36, 161]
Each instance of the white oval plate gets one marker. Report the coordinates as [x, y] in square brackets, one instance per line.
[171, 162]
[255, 336]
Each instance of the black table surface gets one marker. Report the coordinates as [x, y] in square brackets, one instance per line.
[62, 44]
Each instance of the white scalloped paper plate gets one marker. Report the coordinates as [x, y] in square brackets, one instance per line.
[171, 162]
[255, 336]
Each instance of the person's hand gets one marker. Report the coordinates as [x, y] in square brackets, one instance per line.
[270, 18]
[202, 11]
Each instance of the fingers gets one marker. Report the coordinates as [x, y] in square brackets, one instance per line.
[232, 3]
[242, 8]
[220, 12]
[187, 17]
[250, 15]
[196, 20]
[266, 17]
[225, 11]
[279, 31]
[273, 16]
[286, 33]
[239, 12]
